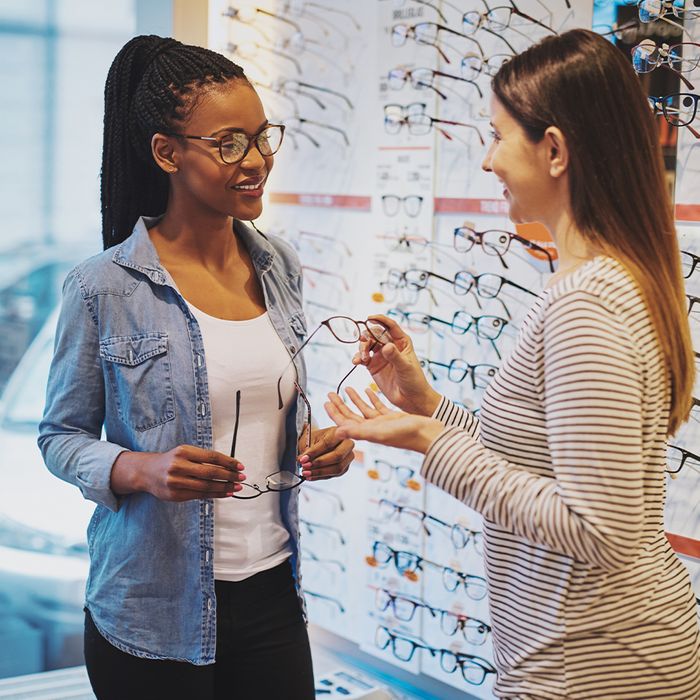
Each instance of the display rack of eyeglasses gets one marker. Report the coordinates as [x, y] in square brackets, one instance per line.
[387, 101]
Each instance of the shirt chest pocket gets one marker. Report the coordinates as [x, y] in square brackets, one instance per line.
[139, 375]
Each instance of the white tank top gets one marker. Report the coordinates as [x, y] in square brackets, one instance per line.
[248, 356]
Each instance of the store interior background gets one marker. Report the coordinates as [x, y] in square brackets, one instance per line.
[370, 191]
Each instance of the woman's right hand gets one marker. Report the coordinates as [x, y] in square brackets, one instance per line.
[396, 369]
[184, 473]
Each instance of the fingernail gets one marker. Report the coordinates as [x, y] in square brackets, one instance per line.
[229, 493]
[304, 458]
[241, 477]
[306, 473]
[240, 467]
[237, 487]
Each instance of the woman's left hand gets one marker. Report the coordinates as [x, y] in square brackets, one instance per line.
[329, 455]
[378, 423]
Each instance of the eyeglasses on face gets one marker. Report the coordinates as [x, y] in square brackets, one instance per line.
[497, 243]
[234, 146]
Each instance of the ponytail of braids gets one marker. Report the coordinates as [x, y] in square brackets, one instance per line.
[152, 85]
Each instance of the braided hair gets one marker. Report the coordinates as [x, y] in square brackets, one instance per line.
[152, 84]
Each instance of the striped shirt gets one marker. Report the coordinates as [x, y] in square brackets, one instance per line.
[566, 465]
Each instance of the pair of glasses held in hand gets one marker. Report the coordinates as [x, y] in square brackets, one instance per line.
[343, 329]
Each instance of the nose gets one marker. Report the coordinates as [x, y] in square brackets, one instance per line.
[254, 160]
[486, 163]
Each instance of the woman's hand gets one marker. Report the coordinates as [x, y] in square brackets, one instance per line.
[184, 473]
[377, 423]
[329, 455]
[396, 370]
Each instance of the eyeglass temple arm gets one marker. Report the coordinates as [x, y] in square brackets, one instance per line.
[235, 425]
[293, 356]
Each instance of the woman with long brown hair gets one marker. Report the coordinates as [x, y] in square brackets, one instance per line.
[566, 462]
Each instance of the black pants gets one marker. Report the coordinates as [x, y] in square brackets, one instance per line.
[262, 651]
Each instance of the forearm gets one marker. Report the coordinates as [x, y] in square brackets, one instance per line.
[83, 461]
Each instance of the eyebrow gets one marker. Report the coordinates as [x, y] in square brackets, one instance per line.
[239, 130]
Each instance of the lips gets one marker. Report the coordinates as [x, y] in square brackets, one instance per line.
[251, 184]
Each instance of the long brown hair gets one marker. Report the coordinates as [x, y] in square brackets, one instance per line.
[583, 85]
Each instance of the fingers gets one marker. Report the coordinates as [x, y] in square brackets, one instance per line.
[377, 403]
[202, 488]
[341, 410]
[201, 455]
[322, 442]
[325, 459]
[320, 472]
[365, 409]
[396, 333]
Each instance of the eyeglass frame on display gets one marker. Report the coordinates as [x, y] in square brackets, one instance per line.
[416, 84]
[410, 121]
[655, 101]
[460, 658]
[410, 31]
[477, 237]
[420, 603]
[418, 562]
[427, 363]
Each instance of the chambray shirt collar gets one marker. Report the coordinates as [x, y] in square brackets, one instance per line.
[139, 253]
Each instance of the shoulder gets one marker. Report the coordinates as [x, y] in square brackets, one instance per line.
[96, 267]
[603, 283]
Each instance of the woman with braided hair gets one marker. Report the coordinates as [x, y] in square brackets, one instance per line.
[176, 341]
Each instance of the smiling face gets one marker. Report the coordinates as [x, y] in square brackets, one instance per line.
[523, 168]
[203, 180]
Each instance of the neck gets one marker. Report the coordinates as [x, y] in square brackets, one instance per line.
[202, 236]
[572, 248]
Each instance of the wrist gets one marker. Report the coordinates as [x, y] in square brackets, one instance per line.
[427, 403]
[126, 476]
[427, 433]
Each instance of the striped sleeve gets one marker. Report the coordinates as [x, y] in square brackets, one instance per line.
[592, 510]
[449, 414]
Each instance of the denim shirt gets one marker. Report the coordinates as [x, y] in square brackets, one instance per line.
[129, 358]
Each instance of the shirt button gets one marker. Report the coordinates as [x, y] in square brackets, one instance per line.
[292, 349]
[209, 604]
[206, 556]
[202, 409]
